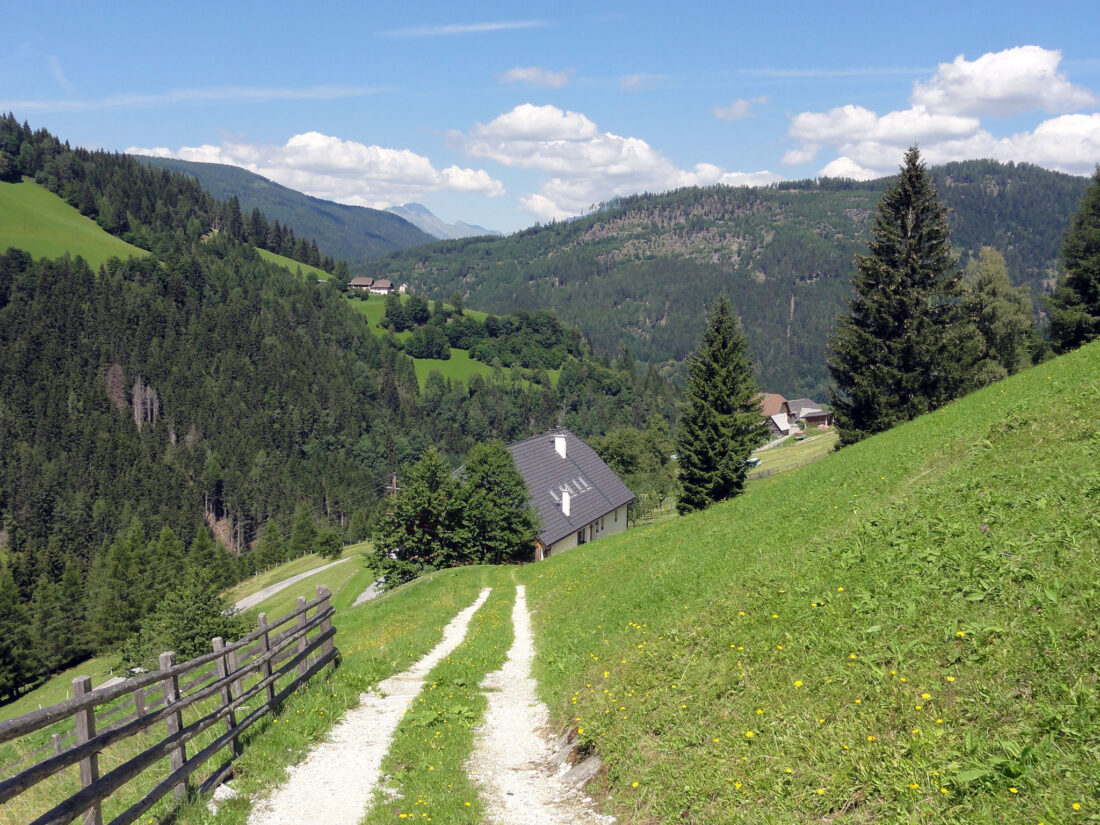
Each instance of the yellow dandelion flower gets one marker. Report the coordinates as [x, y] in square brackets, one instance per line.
[749, 734]
[951, 678]
[943, 790]
[926, 696]
[798, 683]
[913, 785]
[820, 791]
[1013, 790]
[634, 784]
[870, 739]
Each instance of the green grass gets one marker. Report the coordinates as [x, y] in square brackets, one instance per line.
[335, 578]
[426, 763]
[792, 454]
[292, 265]
[273, 575]
[34, 219]
[915, 613]
[376, 640]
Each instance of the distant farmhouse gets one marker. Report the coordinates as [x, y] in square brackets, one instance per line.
[784, 417]
[374, 287]
[577, 496]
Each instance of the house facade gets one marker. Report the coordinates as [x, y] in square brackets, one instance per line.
[381, 287]
[578, 498]
[360, 283]
[810, 412]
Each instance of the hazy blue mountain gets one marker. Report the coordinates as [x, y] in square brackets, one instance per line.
[353, 233]
[421, 216]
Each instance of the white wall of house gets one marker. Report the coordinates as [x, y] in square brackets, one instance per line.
[607, 525]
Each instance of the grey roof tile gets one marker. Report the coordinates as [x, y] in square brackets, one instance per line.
[593, 487]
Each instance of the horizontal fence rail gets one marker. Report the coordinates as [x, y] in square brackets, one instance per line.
[266, 665]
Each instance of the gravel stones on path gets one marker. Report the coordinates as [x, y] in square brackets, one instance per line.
[336, 782]
[512, 751]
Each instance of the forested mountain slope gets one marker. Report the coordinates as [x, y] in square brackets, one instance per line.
[642, 269]
[353, 233]
[202, 390]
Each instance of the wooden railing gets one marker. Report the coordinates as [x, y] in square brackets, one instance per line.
[265, 665]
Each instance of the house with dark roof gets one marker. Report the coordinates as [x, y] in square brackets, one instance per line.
[381, 287]
[577, 496]
[809, 411]
[361, 282]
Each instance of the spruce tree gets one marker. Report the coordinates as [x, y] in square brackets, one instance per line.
[722, 424]
[1075, 304]
[903, 349]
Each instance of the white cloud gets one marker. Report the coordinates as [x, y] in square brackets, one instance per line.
[342, 170]
[740, 109]
[1005, 83]
[585, 165]
[944, 119]
[806, 153]
[451, 29]
[847, 168]
[537, 76]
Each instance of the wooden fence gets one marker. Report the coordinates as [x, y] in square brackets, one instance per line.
[217, 686]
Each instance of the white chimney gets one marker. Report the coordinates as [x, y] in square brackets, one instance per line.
[559, 446]
[565, 501]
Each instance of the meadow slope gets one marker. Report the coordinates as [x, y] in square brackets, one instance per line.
[34, 219]
[906, 630]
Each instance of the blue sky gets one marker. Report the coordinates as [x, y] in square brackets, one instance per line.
[504, 114]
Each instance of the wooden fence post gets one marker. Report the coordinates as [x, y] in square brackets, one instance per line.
[85, 730]
[139, 703]
[303, 665]
[326, 625]
[227, 693]
[55, 740]
[170, 694]
[265, 668]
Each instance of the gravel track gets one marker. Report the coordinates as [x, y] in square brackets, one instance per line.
[512, 747]
[336, 782]
[261, 595]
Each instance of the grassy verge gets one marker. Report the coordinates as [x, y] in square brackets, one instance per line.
[376, 640]
[273, 575]
[792, 454]
[426, 763]
[906, 630]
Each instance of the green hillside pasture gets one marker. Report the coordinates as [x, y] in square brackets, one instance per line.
[905, 631]
[793, 454]
[293, 265]
[335, 578]
[34, 219]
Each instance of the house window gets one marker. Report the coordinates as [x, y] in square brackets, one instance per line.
[616, 516]
[601, 522]
[580, 536]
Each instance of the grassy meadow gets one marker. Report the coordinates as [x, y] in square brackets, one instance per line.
[34, 219]
[292, 265]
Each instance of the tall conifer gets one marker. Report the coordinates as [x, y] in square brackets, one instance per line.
[1075, 304]
[722, 424]
[903, 349]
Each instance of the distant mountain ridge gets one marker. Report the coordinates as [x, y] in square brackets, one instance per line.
[641, 272]
[422, 217]
[351, 233]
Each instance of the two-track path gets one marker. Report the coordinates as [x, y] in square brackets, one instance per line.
[336, 782]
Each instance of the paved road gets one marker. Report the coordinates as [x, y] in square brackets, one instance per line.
[271, 590]
[373, 590]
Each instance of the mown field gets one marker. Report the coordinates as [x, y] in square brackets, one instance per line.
[34, 219]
